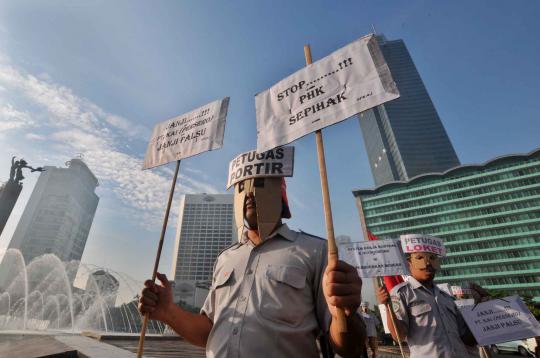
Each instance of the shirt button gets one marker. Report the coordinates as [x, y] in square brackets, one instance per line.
[235, 331]
[242, 298]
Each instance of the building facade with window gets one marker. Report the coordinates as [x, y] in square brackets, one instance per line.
[405, 137]
[205, 227]
[488, 216]
[59, 214]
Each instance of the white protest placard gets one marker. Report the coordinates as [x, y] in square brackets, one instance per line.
[422, 243]
[374, 258]
[456, 290]
[500, 320]
[278, 162]
[464, 302]
[459, 291]
[184, 136]
[353, 79]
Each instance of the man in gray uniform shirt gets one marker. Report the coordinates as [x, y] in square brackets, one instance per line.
[272, 292]
[427, 317]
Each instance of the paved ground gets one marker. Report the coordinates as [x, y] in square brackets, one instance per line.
[61, 346]
[392, 352]
[162, 349]
[117, 346]
[154, 346]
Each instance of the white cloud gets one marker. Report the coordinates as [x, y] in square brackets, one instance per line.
[34, 136]
[76, 125]
[65, 108]
[11, 118]
[80, 140]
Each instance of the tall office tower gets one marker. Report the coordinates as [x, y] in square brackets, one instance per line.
[205, 227]
[405, 137]
[59, 214]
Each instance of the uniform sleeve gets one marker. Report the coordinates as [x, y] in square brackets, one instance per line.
[208, 307]
[323, 314]
[399, 306]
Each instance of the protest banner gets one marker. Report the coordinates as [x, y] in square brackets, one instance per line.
[278, 162]
[374, 258]
[386, 281]
[348, 81]
[456, 290]
[353, 79]
[187, 135]
[184, 136]
[422, 243]
[500, 320]
[445, 287]
[461, 292]
[464, 302]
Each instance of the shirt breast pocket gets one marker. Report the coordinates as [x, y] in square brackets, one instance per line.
[284, 297]
[222, 286]
[421, 314]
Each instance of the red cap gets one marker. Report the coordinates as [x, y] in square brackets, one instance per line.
[285, 211]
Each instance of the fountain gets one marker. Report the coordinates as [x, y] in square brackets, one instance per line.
[40, 296]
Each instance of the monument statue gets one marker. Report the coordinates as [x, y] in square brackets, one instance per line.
[15, 173]
[9, 192]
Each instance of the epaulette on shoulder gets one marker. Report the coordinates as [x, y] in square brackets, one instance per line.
[397, 287]
[312, 236]
[227, 248]
[447, 294]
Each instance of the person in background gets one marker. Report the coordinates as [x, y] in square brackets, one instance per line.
[371, 322]
[426, 317]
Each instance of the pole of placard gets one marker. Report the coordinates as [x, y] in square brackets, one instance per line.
[485, 353]
[390, 312]
[332, 247]
[158, 256]
[378, 281]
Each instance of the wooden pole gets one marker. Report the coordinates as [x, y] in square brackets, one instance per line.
[379, 281]
[364, 229]
[158, 255]
[332, 247]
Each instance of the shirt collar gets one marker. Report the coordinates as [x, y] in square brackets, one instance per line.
[283, 231]
[415, 284]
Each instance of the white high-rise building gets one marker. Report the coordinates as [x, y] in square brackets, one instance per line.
[205, 227]
[59, 213]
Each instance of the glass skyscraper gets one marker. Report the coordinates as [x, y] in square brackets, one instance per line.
[488, 216]
[405, 137]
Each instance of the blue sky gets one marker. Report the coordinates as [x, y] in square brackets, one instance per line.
[94, 78]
